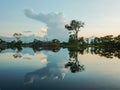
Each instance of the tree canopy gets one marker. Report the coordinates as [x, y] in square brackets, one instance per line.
[17, 35]
[74, 27]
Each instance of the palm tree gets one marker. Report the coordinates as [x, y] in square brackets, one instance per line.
[74, 27]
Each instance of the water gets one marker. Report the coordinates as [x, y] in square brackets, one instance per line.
[62, 70]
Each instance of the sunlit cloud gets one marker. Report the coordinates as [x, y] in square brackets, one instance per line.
[43, 60]
[43, 30]
[54, 22]
[40, 57]
[41, 33]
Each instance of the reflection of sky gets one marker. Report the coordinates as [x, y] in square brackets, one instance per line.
[24, 51]
[100, 70]
[47, 67]
[28, 58]
[53, 70]
[104, 65]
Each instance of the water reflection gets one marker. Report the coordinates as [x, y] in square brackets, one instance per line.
[105, 52]
[73, 62]
[55, 70]
[64, 67]
[51, 71]
[101, 51]
[17, 55]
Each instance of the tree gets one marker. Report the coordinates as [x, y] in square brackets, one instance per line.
[81, 40]
[56, 41]
[74, 27]
[117, 39]
[1, 41]
[17, 36]
[97, 41]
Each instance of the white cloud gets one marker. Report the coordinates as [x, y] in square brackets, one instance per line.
[27, 31]
[55, 23]
[41, 33]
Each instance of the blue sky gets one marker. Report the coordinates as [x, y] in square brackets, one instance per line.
[101, 17]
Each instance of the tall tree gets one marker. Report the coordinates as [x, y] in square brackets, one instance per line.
[74, 27]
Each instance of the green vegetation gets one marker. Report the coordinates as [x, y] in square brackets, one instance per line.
[98, 44]
[107, 42]
[74, 28]
[17, 36]
[107, 46]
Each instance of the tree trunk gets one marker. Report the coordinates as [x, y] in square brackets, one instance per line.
[76, 35]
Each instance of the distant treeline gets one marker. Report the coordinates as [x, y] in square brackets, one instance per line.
[107, 46]
[107, 41]
[36, 44]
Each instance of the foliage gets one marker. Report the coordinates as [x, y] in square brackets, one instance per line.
[56, 41]
[2, 41]
[17, 35]
[74, 28]
[74, 63]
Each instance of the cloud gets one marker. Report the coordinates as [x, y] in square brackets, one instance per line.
[42, 32]
[55, 23]
[27, 31]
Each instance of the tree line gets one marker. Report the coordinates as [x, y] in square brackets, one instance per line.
[74, 42]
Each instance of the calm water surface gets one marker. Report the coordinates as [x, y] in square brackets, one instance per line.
[62, 70]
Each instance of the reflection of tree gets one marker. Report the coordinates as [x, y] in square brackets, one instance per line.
[73, 63]
[17, 53]
[107, 46]
[106, 52]
[2, 48]
[74, 66]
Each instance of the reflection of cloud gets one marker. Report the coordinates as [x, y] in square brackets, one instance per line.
[54, 21]
[51, 71]
[27, 58]
[38, 56]
[42, 57]
[43, 60]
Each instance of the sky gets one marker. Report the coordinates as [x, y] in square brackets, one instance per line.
[46, 18]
